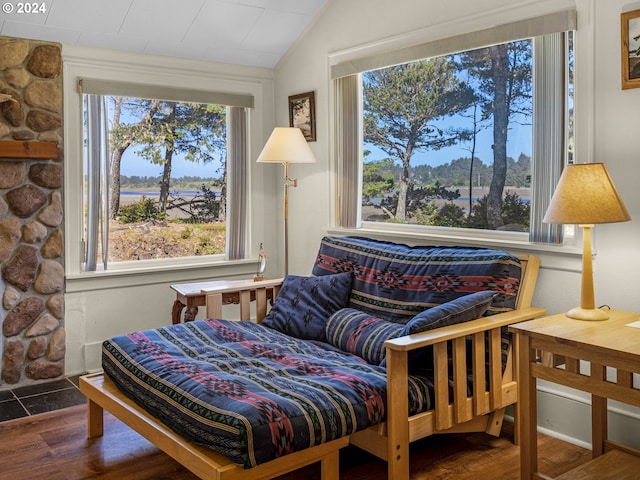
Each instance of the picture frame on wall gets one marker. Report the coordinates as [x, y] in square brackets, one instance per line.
[302, 114]
[630, 37]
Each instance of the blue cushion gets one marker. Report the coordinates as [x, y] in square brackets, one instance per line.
[359, 333]
[462, 309]
[304, 304]
[395, 282]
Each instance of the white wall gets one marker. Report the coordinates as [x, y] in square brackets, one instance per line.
[606, 126]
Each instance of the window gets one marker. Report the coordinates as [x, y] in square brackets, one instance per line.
[159, 173]
[421, 120]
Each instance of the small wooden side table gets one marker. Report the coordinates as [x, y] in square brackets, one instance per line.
[599, 357]
[194, 295]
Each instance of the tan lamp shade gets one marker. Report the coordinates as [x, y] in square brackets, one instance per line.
[586, 194]
[286, 145]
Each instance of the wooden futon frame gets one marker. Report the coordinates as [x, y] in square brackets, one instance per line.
[481, 411]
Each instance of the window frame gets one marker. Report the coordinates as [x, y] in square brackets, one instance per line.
[371, 56]
[83, 62]
[100, 182]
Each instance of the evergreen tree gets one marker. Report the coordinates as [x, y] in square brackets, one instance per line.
[503, 73]
[196, 130]
[401, 105]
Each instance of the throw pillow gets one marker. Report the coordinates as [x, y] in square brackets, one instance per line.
[360, 333]
[462, 309]
[304, 304]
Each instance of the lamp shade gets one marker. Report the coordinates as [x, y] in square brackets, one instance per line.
[286, 145]
[586, 195]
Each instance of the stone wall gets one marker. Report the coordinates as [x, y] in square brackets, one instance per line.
[32, 341]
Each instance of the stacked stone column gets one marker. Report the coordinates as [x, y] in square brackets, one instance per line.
[31, 212]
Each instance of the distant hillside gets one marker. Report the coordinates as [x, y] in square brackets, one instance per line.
[456, 173]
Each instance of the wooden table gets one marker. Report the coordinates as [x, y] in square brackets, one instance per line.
[194, 295]
[599, 357]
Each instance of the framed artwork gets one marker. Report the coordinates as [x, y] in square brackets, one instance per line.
[630, 30]
[302, 114]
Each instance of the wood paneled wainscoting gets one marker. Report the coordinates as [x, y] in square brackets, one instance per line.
[54, 446]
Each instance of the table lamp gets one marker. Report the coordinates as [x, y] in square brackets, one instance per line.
[287, 145]
[585, 195]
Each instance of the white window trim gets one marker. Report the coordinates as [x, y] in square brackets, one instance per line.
[113, 66]
[584, 101]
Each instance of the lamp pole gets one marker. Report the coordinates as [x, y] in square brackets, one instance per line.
[288, 182]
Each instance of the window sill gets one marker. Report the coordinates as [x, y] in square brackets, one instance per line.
[158, 274]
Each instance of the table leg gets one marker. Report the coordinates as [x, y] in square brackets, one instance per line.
[176, 311]
[95, 419]
[598, 414]
[527, 414]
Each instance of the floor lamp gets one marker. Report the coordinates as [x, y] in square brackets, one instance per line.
[585, 195]
[286, 145]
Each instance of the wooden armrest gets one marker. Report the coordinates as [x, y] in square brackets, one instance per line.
[431, 337]
[246, 291]
[451, 370]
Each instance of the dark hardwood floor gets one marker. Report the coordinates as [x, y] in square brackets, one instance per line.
[54, 446]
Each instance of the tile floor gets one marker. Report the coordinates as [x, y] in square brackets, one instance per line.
[40, 398]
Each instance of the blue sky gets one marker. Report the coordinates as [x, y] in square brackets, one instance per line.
[132, 165]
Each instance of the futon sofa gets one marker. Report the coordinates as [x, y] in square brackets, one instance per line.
[383, 344]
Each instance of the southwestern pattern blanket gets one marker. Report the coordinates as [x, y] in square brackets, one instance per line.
[242, 389]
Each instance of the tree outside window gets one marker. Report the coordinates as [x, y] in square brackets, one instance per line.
[159, 211]
[441, 126]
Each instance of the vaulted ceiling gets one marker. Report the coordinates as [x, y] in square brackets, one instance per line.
[245, 32]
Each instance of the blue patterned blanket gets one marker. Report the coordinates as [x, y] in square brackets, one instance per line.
[396, 282]
[248, 391]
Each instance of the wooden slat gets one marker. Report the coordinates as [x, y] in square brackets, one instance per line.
[624, 378]
[28, 150]
[589, 384]
[261, 304]
[480, 404]
[495, 368]
[214, 305]
[572, 365]
[460, 380]
[441, 386]
[245, 305]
